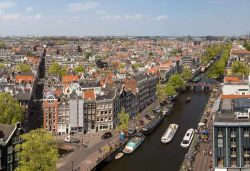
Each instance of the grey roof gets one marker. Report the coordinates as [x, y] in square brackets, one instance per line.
[6, 131]
[23, 95]
[89, 83]
[107, 93]
[226, 104]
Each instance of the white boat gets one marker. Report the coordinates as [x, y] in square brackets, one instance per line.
[119, 155]
[169, 133]
[187, 138]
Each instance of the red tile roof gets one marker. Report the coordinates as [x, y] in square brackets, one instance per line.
[232, 79]
[69, 78]
[89, 95]
[234, 96]
[24, 78]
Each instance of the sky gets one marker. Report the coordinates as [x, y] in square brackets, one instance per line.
[124, 17]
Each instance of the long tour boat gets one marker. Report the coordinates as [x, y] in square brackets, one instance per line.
[169, 133]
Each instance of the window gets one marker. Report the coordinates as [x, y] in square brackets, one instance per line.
[10, 149]
[220, 142]
[9, 167]
[9, 158]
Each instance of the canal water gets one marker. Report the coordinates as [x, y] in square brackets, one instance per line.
[153, 155]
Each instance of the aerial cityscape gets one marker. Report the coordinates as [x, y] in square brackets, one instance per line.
[143, 85]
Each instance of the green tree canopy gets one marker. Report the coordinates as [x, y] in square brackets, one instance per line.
[240, 68]
[124, 120]
[176, 81]
[170, 90]
[121, 66]
[219, 67]
[10, 110]
[79, 69]
[29, 53]
[186, 74]
[161, 92]
[38, 151]
[2, 65]
[87, 55]
[211, 52]
[23, 67]
[2, 44]
[55, 68]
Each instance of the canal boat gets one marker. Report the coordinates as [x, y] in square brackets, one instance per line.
[152, 124]
[188, 99]
[187, 138]
[133, 143]
[203, 69]
[119, 155]
[196, 79]
[169, 133]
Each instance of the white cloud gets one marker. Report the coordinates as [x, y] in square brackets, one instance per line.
[72, 18]
[76, 7]
[118, 17]
[134, 17]
[9, 17]
[16, 16]
[29, 9]
[6, 5]
[162, 17]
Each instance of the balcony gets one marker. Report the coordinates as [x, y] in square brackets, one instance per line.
[246, 134]
[233, 134]
[233, 144]
[233, 155]
[246, 154]
[220, 135]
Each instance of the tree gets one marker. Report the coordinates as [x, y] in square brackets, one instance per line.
[161, 92]
[10, 110]
[121, 66]
[176, 81]
[37, 152]
[170, 90]
[55, 68]
[23, 67]
[29, 53]
[88, 54]
[186, 74]
[2, 45]
[2, 65]
[79, 69]
[240, 68]
[124, 120]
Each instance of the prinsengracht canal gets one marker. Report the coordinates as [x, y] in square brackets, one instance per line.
[153, 155]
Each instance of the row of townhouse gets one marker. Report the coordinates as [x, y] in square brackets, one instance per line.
[87, 106]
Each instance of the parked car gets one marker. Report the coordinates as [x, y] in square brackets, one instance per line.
[70, 139]
[142, 122]
[107, 135]
[131, 131]
[148, 117]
